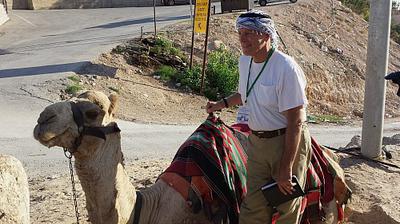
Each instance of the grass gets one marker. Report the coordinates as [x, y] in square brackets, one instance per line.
[166, 73]
[74, 78]
[73, 88]
[325, 118]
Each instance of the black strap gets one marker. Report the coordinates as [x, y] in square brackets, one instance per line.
[101, 132]
[362, 157]
[78, 116]
[138, 207]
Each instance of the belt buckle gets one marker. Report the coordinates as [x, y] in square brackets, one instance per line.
[279, 132]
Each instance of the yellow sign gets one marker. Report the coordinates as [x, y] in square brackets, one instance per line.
[200, 17]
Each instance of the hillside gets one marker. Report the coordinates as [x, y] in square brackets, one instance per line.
[330, 43]
[327, 39]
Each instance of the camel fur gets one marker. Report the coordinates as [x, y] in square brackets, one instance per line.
[14, 192]
[110, 196]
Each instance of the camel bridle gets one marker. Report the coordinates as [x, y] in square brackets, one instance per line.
[83, 130]
[100, 132]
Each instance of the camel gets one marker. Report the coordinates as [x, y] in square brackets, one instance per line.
[14, 192]
[110, 196]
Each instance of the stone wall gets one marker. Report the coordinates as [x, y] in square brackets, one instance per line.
[3, 15]
[79, 4]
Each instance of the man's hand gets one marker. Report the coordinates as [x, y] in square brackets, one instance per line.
[213, 106]
[284, 180]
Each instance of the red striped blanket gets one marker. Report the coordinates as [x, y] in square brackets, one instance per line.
[214, 152]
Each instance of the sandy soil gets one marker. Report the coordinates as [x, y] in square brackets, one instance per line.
[375, 191]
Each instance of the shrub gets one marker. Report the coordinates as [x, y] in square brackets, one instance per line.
[167, 73]
[221, 78]
[191, 78]
[74, 78]
[164, 46]
[73, 89]
[222, 74]
[358, 6]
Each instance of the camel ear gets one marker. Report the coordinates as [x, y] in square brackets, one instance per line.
[114, 103]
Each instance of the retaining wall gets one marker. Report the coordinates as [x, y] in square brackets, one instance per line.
[79, 4]
[3, 15]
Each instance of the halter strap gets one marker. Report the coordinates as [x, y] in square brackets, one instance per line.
[99, 132]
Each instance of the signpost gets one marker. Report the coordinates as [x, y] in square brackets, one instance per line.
[201, 25]
[201, 16]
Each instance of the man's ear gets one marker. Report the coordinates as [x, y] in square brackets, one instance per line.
[114, 103]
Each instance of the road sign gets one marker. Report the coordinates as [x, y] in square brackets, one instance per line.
[200, 17]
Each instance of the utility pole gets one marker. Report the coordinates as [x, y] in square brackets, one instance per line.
[375, 85]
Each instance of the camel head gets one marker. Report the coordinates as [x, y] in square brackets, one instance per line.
[63, 124]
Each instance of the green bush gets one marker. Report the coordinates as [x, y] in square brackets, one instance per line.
[222, 74]
[74, 78]
[191, 78]
[73, 89]
[167, 73]
[221, 78]
[164, 46]
[358, 6]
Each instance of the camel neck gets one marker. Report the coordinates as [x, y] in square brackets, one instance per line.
[110, 197]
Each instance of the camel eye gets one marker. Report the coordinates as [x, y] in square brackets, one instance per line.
[92, 114]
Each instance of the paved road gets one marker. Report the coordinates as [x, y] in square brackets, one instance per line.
[58, 41]
[36, 46]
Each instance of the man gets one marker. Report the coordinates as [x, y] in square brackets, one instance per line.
[272, 87]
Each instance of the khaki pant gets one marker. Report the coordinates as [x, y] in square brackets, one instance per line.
[263, 163]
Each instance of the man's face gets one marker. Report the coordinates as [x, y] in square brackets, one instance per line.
[251, 41]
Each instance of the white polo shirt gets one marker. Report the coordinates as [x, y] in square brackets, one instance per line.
[280, 87]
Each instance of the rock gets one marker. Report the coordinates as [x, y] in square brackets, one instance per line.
[178, 84]
[157, 77]
[339, 51]
[52, 177]
[354, 142]
[358, 113]
[394, 140]
[14, 191]
[145, 95]
[216, 44]
[324, 48]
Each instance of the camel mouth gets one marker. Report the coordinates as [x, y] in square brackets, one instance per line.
[47, 139]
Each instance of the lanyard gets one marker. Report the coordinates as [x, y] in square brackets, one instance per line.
[248, 90]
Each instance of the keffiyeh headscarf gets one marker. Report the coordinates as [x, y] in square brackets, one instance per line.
[260, 22]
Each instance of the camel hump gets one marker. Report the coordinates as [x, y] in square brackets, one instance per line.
[14, 191]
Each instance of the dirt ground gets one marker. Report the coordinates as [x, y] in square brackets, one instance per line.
[326, 39]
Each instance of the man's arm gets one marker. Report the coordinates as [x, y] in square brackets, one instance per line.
[292, 140]
[231, 100]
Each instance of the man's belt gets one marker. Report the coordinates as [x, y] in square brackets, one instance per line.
[269, 134]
